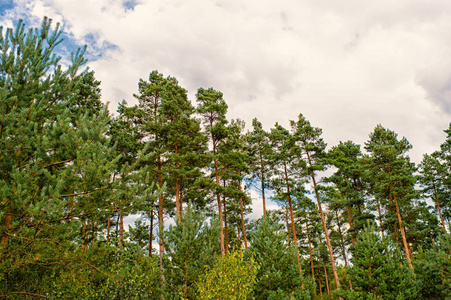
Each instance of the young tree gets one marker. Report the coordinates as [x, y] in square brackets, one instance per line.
[54, 158]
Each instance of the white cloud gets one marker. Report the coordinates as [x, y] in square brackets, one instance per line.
[346, 65]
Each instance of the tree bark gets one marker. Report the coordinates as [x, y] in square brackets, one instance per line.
[439, 210]
[151, 233]
[225, 222]
[351, 224]
[403, 234]
[241, 212]
[263, 184]
[218, 199]
[323, 220]
[327, 278]
[293, 228]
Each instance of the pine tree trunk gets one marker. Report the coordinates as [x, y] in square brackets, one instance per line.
[403, 234]
[310, 253]
[320, 287]
[178, 203]
[219, 202]
[151, 233]
[327, 278]
[241, 212]
[263, 184]
[121, 229]
[341, 239]
[225, 222]
[161, 224]
[323, 220]
[439, 210]
[293, 228]
[288, 228]
[351, 224]
[108, 229]
[380, 217]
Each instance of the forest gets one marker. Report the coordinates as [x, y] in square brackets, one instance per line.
[353, 221]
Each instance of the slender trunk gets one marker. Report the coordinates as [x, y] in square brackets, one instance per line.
[380, 217]
[226, 231]
[341, 239]
[293, 228]
[218, 198]
[290, 205]
[151, 233]
[241, 212]
[239, 240]
[108, 229]
[263, 183]
[121, 229]
[351, 224]
[288, 228]
[327, 278]
[178, 203]
[161, 224]
[343, 245]
[320, 287]
[403, 234]
[323, 220]
[439, 210]
[310, 251]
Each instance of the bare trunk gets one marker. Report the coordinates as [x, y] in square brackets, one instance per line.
[351, 224]
[403, 234]
[439, 211]
[241, 212]
[121, 229]
[320, 287]
[288, 228]
[178, 203]
[108, 229]
[161, 224]
[380, 217]
[323, 220]
[263, 183]
[310, 252]
[327, 278]
[219, 200]
[225, 222]
[341, 239]
[151, 233]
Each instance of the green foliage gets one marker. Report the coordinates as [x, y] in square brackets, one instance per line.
[191, 246]
[433, 270]
[279, 276]
[230, 278]
[378, 271]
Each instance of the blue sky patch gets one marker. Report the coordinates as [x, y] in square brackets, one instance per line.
[5, 5]
[130, 4]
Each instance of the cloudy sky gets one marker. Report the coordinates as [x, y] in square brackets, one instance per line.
[346, 65]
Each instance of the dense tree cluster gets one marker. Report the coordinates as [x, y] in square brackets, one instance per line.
[352, 223]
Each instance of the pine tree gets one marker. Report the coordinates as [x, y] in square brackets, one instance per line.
[213, 108]
[393, 172]
[278, 276]
[311, 148]
[378, 270]
[55, 159]
[259, 148]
